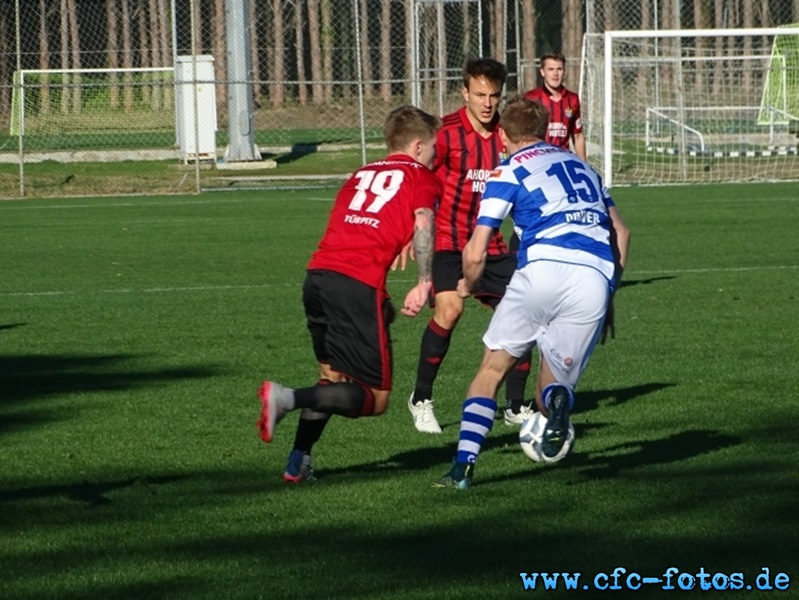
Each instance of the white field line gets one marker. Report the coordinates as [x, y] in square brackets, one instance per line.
[215, 288]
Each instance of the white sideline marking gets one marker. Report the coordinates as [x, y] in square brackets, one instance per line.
[211, 288]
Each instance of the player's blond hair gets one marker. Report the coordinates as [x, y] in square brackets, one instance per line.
[406, 124]
[524, 120]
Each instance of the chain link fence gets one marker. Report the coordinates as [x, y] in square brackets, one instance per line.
[149, 96]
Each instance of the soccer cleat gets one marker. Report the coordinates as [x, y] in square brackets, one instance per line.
[458, 477]
[556, 430]
[513, 418]
[298, 468]
[423, 417]
[272, 408]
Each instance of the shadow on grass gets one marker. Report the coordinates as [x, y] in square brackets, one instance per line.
[635, 282]
[590, 400]
[92, 494]
[31, 376]
[11, 326]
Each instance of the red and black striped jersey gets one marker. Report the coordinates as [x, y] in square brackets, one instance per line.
[373, 218]
[564, 114]
[464, 160]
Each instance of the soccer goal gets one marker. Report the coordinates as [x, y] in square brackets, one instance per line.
[692, 106]
[94, 109]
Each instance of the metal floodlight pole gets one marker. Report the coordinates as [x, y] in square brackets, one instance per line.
[241, 133]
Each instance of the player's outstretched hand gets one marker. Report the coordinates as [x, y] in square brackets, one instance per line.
[401, 260]
[415, 300]
[610, 324]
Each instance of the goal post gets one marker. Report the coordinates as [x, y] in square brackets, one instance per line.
[692, 106]
[780, 103]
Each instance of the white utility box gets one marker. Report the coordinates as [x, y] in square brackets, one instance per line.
[196, 136]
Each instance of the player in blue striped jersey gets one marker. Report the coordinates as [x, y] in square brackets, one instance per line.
[573, 248]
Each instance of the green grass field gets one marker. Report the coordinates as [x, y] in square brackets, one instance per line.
[134, 333]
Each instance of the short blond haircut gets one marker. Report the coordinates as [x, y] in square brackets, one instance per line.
[524, 120]
[406, 124]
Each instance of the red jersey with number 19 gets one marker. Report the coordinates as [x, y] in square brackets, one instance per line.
[373, 218]
[464, 160]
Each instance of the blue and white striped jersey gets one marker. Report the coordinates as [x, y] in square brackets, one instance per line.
[558, 205]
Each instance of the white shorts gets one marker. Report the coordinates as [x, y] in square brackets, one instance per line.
[558, 306]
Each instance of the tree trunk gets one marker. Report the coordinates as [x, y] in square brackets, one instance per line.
[299, 44]
[527, 45]
[44, 60]
[156, 54]
[278, 77]
[254, 54]
[385, 50]
[498, 28]
[746, 75]
[166, 56]
[645, 74]
[366, 51]
[66, 93]
[718, 68]
[700, 68]
[327, 48]
[74, 43]
[5, 75]
[127, 58]
[145, 45]
[572, 36]
[315, 45]
[219, 52]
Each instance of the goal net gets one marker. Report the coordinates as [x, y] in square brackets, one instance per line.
[692, 106]
[125, 110]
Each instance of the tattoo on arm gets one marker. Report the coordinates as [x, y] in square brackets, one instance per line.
[424, 243]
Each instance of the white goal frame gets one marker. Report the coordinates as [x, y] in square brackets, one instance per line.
[608, 80]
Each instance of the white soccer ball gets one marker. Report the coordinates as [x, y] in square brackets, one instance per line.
[530, 439]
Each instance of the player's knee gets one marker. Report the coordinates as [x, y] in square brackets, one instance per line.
[448, 316]
[381, 402]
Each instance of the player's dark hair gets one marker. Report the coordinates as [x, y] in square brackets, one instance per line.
[491, 69]
[407, 123]
[524, 120]
[552, 56]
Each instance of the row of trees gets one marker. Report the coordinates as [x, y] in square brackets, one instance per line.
[307, 51]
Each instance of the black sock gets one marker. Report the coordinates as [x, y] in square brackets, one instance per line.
[516, 381]
[345, 399]
[435, 344]
[309, 431]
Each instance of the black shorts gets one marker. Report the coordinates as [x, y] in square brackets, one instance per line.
[448, 269]
[349, 324]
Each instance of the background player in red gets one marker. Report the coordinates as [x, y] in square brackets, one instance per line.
[383, 207]
[563, 105]
[467, 150]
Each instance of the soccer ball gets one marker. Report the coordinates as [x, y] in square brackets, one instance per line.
[530, 439]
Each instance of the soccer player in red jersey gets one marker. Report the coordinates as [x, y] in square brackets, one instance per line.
[562, 104]
[467, 150]
[383, 207]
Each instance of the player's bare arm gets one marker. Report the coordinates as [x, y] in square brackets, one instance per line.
[474, 259]
[620, 244]
[424, 243]
[423, 247]
[579, 145]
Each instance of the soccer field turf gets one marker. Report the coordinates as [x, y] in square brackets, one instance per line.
[134, 333]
